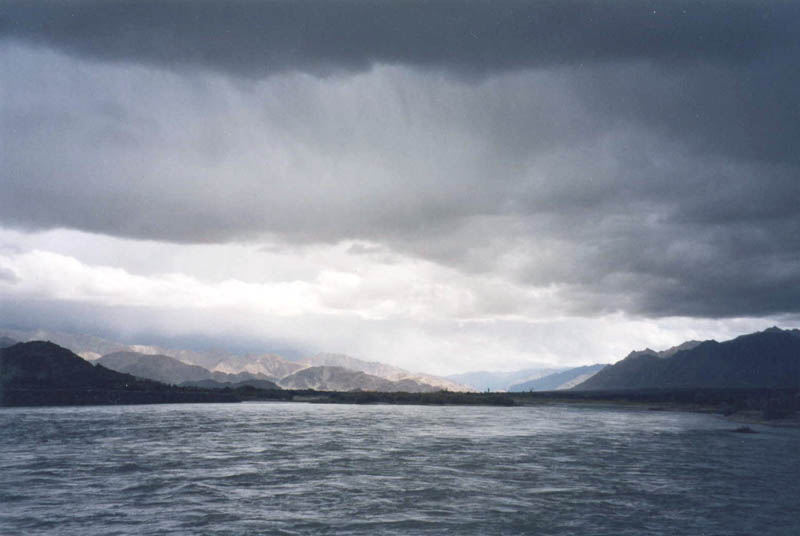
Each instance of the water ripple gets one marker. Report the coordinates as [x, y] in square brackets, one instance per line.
[310, 469]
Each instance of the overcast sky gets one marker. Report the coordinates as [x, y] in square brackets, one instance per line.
[443, 186]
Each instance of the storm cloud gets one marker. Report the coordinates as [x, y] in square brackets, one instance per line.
[254, 39]
[596, 157]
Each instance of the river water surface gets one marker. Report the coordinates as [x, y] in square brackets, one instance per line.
[281, 468]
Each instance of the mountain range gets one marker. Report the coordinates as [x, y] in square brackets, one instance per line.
[382, 370]
[767, 359]
[333, 378]
[43, 373]
[220, 369]
[168, 370]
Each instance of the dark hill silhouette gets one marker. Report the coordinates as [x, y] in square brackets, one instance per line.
[43, 373]
[43, 365]
[767, 359]
[5, 342]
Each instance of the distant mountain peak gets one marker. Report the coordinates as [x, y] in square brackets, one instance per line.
[640, 353]
[669, 352]
[688, 345]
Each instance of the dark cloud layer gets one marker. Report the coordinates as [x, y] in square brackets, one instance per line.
[641, 156]
[473, 37]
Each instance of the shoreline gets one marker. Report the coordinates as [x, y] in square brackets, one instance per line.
[770, 407]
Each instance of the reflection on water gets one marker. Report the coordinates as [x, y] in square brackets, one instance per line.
[316, 469]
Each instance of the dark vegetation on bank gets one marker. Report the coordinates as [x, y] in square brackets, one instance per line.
[438, 398]
[772, 403]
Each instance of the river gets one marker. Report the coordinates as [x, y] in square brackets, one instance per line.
[289, 468]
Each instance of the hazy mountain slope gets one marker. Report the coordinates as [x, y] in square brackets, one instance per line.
[345, 361]
[160, 368]
[206, 359]
[268, 365]
[560, 380]
[326, 378]
[768, 359]
[166, 369]
[437, 383]
[577, 380]
[5, 342]
[382, 370]
[482, 380]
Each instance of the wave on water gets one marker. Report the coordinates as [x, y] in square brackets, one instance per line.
[312, 469]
